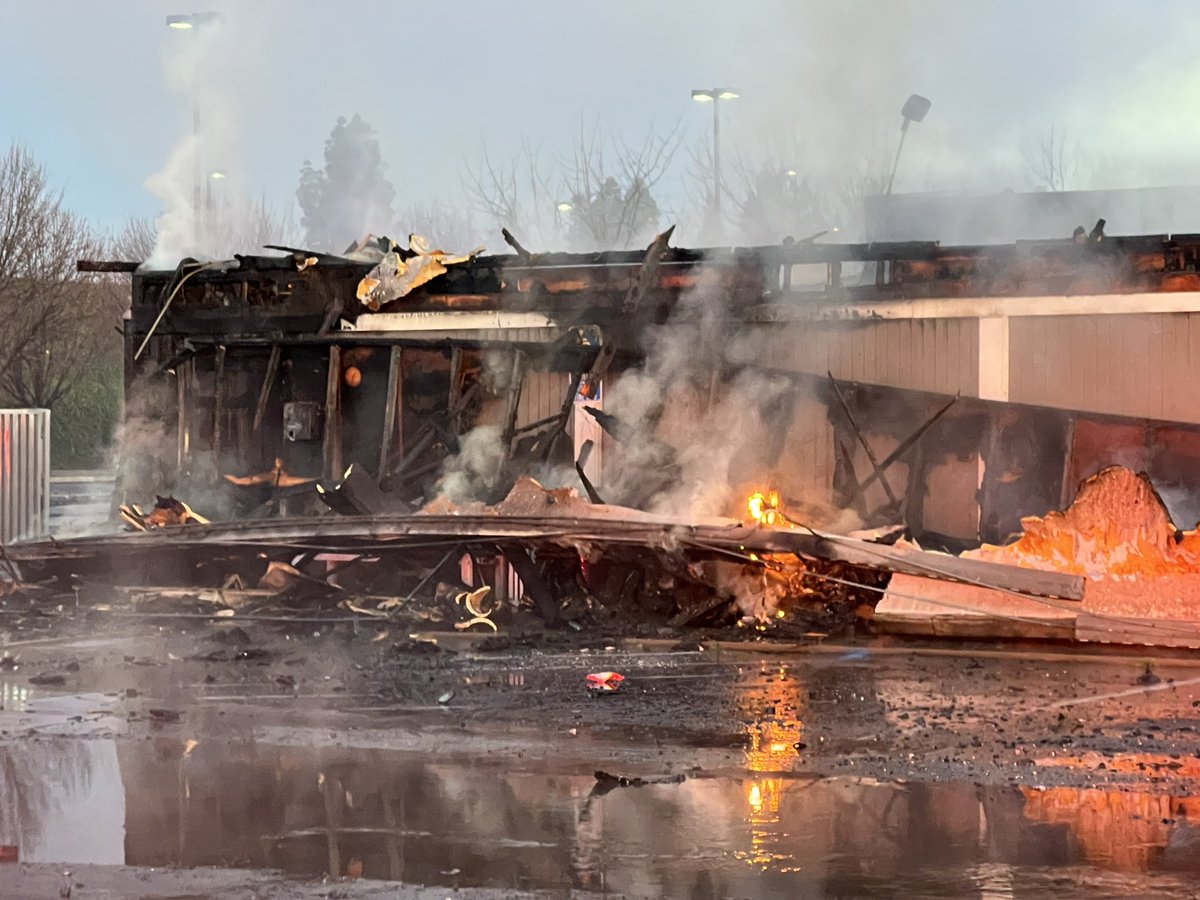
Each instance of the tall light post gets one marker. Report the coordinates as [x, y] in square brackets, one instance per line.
[191, 22]
[914, 110]
[715, 96]
[214, 177]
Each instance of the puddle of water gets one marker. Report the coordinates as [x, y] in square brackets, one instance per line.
[309, 811]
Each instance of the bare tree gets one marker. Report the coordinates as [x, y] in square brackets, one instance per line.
[238, 225]
[1051, 162]
[135, 241]
[612, 204]
[513, 194]
[598, 197]
[350, 195]
[56, 358]
[774, 201]
[449, 227]
[48, 317]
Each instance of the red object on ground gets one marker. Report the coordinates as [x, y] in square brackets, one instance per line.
[606, 682]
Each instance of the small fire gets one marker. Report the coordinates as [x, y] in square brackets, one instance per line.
[763, 507]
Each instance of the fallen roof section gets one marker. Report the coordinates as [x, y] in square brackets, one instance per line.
[362, 534]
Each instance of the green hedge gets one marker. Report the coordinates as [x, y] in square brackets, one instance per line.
[82, 423]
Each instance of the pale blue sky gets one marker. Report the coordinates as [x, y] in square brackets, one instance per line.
[85, 85]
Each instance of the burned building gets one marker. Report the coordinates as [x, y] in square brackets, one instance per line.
[955, 389]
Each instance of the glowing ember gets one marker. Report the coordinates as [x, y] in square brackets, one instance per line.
[1118, 534]
[763, 507]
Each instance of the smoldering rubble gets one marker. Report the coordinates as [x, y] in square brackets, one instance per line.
[585, 435]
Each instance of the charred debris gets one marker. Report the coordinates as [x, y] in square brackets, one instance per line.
[403, 434]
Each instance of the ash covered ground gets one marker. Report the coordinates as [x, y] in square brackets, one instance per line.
[154, 758]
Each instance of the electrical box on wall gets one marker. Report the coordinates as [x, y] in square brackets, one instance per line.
[302, 421]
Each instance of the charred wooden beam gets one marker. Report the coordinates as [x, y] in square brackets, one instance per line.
[862, 440]
[411, 475]
[264, 392]
[107, 265]
[453, 553]
[539, 424]
[333, 414]
[648, 273]
[550, 440]
[391, 411]
[854, 492]
[585, 453]
[455, 391]
[513, 400]
[616, 427]
[218, 401]
[524, 254]
[424, 440]
[902, 450]
[360, 493]
[336, 308]
[183, 377]
[550, 532]
[535, 585]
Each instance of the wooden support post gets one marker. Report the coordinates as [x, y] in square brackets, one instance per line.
[391, 842]
[183, 374]
[391, 410]
[455, 394]
[1069, 487]
[218, 401]
[516, 380]
[264, 393]
[333, 414]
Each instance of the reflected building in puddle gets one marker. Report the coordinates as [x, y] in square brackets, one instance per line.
[766, 831]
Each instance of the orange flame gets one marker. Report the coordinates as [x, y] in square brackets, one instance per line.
[764, 508]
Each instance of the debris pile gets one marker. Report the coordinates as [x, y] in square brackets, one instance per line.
[1119, 535]
[1117, 528]
[401, 271]
[166, 511]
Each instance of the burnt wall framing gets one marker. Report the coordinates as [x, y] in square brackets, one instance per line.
[1018, 460]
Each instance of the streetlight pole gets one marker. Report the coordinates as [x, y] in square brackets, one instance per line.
[190, 22]
[914, 110]
[715, 96]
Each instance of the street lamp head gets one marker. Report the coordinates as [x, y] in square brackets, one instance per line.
[791, 173]
[218, 174]
[915, 108]
[188, 21]
[703, 96]
[727, 94]
[565, 207]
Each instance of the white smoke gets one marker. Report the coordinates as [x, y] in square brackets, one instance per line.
[472, 472]
[201, 66]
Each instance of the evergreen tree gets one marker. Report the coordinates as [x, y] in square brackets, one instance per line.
[350, 196]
